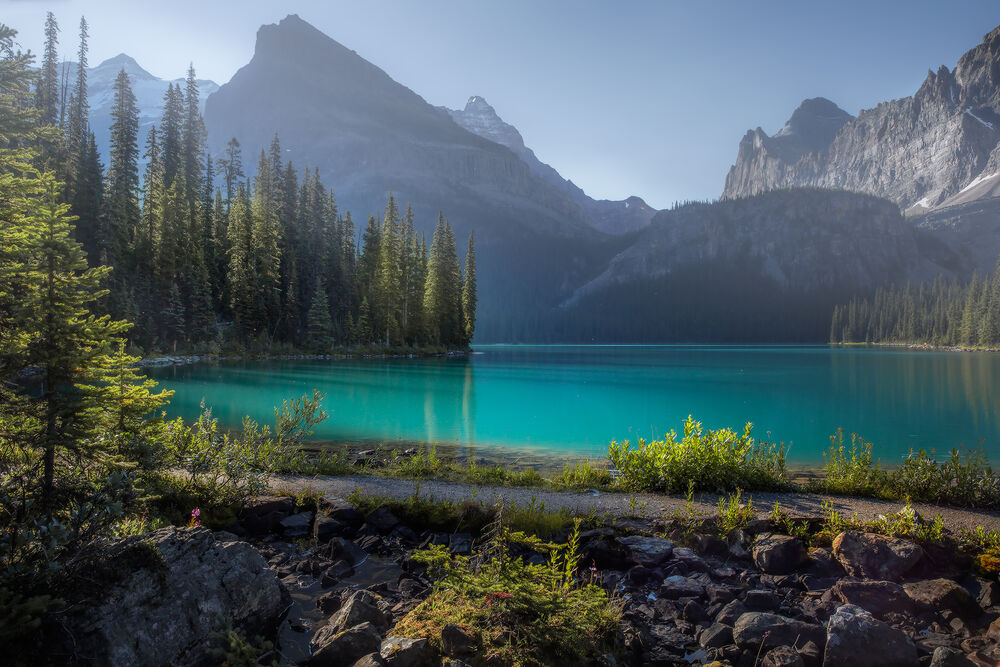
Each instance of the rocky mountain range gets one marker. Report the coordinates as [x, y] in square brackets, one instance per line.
[809, 216]
[613, 217]
[937, 148]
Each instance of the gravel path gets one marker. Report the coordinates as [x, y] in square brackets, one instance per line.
[624, 504]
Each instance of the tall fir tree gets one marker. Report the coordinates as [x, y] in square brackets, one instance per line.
[469, 298]
[123, 175]
[77, 127]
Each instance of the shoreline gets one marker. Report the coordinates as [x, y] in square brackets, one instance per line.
[185, 360]
[623, 504]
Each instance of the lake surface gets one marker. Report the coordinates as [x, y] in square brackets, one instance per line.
[573, 400]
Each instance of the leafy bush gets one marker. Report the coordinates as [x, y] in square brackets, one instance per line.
[717, 461]
[584, 475]
[964, 480]
[519, 613]
[733, 514]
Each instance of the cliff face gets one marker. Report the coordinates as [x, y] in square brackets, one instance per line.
[613, 217]
[917, 151]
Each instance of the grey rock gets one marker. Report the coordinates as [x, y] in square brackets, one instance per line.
[263, 515]
[783, 656]
[648, 551]
[405, 652]
[341, 510]
[716, 636]
[761, 600]
[872, 556]
[326, 528]
[941, 594]
[297, 525]
[164, 612]
[382, 520]
[855, 637]
[341, 548]
[370, 660]
[755, 629]
[333, 648]
[878, 597]
[677, 586]
[778, 554]
[730, 613]
[361, 607]
[944, 656]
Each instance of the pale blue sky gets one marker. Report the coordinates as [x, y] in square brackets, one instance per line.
[648, 98]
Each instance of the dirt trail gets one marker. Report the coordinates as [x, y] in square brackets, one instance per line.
[624, 504]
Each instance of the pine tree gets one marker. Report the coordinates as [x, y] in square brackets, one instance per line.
[469, 293]
[88, 205]
[387, 288]
[123, 174]
[171, 133]
[266, 242]
[240, 274]
[193, 140]
[319, 328]
[79, 108]
[47, 98]
[443, 290]
[232, 170]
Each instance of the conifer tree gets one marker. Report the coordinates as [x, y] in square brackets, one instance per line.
[319, 327]
[88, 204]
[193, 140]
[123, 174]
[47, 97]
[79, 108]
[171, 134]
[232, 170]
[387, 289]
[469, 293]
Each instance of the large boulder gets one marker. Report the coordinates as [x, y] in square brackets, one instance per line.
[173, 588]
[756, 629]
[336, 648]
[778, 554]
[405, 652]
[873, 556]
[855, 637]
[878, 597]
[941, 595]
[362, 607]
[648, 551]
[263, 515]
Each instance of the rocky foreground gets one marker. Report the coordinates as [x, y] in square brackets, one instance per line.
[330, 585]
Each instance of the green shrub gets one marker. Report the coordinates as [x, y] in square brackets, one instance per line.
[960, 480]
[733, 514]
[584, 475]
[851, 472]
[519, 613]
[717, 461]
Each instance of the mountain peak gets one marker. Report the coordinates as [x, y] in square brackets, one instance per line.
[478, 104]
[123, 61]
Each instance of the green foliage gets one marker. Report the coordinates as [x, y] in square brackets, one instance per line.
[904, 523]
[718, 461]
[233, 649]
[966, 480]
[584, 475]
[519, 613]
[733, 514]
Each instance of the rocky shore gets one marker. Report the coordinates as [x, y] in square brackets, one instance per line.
[327, 585]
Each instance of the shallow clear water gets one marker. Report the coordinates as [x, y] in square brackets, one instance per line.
[573, 400]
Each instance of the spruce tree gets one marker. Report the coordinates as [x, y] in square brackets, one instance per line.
[171, 133]
[123, 174]
[319, 327]
[469, 293]
[232, 170]
[47, 97]
[79, 109]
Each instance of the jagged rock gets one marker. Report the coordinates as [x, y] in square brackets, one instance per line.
[382, 520]
[455, 641]
[941, 594]
[361, 607]
[944, 656]
[334, 648]
[164, 605]
[878, 597]
[872, 556]
[716, 636]
[604, 554]
[993, 632]
[326, 528]
[783, 656]
[370, 660]
[823, 564]
[405, 652]
[341, 548]
[341, 510]
[730, 613]
[677, 586]
[755, 629]
[855, 637]
[648, 551]
[778, 554]
[263, 515]
[297, 525]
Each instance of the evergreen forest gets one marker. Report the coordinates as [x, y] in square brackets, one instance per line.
[944, 312]
[215, 256]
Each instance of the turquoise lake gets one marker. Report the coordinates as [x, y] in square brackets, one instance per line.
[573, 400]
